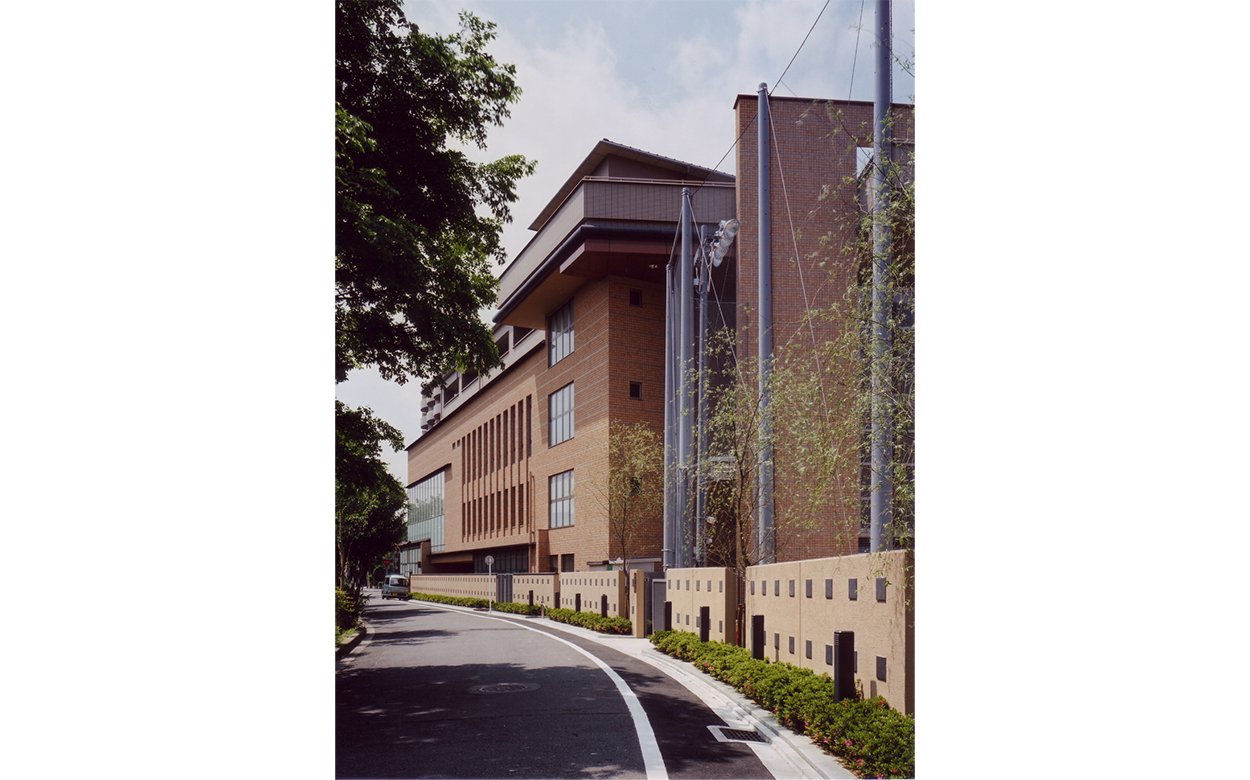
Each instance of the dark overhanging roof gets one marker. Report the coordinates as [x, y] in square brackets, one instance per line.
[606, 148]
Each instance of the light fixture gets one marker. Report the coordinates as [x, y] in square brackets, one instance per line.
[724, 237]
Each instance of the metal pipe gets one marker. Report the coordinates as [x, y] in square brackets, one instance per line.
[700, 513]
[767, 546]
[881, 486]
[685, 428]
[669, 517]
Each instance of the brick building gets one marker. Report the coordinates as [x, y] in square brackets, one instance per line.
[508, 464]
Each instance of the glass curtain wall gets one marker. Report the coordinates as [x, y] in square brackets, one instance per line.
[425, 511]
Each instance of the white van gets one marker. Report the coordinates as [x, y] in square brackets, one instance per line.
[395, 586]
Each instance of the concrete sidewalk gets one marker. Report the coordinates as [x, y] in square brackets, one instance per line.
[787, 755]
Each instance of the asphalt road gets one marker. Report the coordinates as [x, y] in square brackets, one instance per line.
[438, 693]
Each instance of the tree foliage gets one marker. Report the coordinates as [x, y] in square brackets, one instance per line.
[369, 503]
[416, 226]
[417, 222]
[633, 491]
[818, 423]
[892, 361]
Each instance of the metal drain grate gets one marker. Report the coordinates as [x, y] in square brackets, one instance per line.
[727, 734]
[503, 688]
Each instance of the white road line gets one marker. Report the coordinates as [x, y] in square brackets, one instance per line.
[651, 757]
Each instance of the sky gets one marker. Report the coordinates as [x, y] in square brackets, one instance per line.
[658, 76]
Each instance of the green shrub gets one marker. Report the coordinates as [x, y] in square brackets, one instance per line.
[592, 621]
[348, 606]
[459, 601]
[518, 609]
[465, 601]
[872, 739]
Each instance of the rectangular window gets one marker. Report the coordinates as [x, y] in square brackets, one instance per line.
[514, 431]
[560, 415]
[560, 334]
[566, 562]
[635, 297]
[635, 389]
[560, 509]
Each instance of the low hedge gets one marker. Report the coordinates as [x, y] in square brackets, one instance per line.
[459, 601]
[872, 739]
[518, 609]
[465, 601]
[592, 620]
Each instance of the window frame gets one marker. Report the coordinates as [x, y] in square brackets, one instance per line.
[560, 333]
[561, 417]
[561, 490]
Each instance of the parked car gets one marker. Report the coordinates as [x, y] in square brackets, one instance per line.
[395, 586]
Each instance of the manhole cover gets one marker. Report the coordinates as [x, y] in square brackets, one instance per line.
[503, 688]
[726, 734]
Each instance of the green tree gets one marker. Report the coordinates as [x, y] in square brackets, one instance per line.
[369, 503]
[633, 491]
[416, 226]
[417, 222]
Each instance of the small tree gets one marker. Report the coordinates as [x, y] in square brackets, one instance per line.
[734, 431]
[633, 492]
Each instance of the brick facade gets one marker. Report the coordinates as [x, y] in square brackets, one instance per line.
[603, 243]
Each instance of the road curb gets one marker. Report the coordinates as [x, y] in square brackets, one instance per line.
[345, 649]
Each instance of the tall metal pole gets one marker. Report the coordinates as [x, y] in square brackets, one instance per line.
[700, 512]
[670, 418]
[882, 489]
[767, 546]
[685, 427]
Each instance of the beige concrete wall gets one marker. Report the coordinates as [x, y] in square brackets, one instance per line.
[593, 585]
[883, 629]
[482, 586]
[803, 601]
[637, 608]
[691, 589]
[477, 586]
[543, 585]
